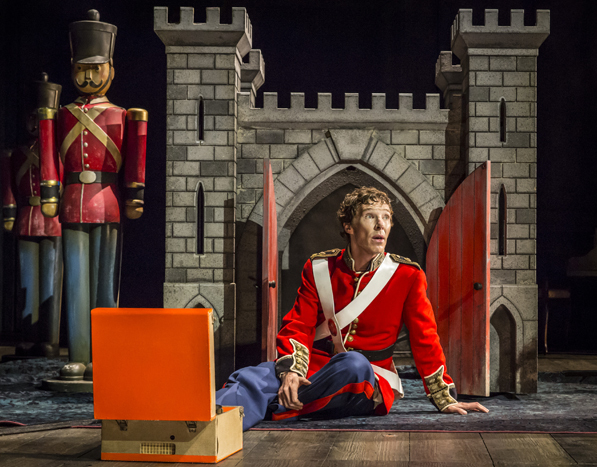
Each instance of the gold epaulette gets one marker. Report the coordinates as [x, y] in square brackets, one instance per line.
[326, 254]
[404, 260]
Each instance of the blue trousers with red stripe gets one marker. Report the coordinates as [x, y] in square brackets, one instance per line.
[340, 389]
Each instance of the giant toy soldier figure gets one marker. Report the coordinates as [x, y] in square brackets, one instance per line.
[39, 237]
[335, 346]
[95, 138]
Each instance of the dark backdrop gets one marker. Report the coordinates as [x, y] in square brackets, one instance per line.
[330, 46]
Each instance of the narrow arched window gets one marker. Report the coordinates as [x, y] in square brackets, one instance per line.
[200, 219]
[502, 120]
[502, 222]
[201, 120]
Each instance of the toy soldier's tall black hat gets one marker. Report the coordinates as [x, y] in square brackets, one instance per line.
[91, 41]
[47, 94]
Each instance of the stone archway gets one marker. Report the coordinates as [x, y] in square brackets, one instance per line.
[363, 150]
[506, 342]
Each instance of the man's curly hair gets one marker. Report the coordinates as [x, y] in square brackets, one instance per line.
[358, 197]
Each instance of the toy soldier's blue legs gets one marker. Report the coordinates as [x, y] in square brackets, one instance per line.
[341, 388]
[50, 291]
[39, 295]
[92, 274]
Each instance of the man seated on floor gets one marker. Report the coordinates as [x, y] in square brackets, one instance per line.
[335, 346]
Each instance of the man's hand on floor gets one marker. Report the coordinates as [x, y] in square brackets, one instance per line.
[462, 407]
[288, 392]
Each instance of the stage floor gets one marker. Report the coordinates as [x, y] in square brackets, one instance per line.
[80, 447]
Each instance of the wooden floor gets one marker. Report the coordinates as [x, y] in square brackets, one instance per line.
[78, 447]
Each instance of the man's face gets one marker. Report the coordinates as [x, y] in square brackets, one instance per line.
[369, 229]
[92, 79]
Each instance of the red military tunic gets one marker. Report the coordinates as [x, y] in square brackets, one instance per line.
[95, 146]
[403, 300]
[21, 186]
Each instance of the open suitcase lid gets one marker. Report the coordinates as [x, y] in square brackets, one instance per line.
[153, 364]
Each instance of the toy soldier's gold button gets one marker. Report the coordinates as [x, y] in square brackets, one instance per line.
[85, 110]
[85, 132]
[350, 339]
[353, 332]
[85, 144]
[354, 326]
[349, 348]
[356, 279]
[86, 166]
[356, 320]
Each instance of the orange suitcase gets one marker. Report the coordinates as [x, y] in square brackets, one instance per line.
[154, 387]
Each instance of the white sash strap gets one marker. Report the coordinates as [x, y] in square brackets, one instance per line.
[351, 311]
[391, 378]
[321, 274]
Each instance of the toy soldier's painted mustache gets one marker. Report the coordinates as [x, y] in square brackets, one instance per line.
[90, 83]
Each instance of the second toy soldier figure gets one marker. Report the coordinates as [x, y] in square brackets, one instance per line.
[39, 238]
[95, 138]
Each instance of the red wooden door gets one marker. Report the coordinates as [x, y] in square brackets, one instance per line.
[458, 282]
[269, 276]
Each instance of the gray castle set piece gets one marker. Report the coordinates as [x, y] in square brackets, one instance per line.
[217, 139]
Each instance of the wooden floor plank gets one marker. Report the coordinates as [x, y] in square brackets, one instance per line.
[272, 444]
[308, 445]
[362, 463]
[9, 443]
[250, 440]
[581, 447]
[279, 463]
[525, 449]
[370, 446]
[464, 448]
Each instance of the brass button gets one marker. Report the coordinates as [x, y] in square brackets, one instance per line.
[86, 166]
[85, 144]
[85, 132]
[85, 110]
[350, 339]
[354, 326]
[356, 279]
[356, 320]
[85, 155]
[353, 332]
[349, 348]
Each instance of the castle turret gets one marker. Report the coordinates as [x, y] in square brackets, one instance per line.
[203, 79]
[499, 79]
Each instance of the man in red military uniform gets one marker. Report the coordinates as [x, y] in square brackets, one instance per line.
[95, 138]
[39, 237]
[335, 345]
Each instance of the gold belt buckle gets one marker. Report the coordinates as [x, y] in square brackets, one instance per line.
[87, 177]
[34, 201]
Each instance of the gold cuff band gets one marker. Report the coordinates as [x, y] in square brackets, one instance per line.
[49, 200]
[135, 185]
[46, 113]
[50, 183]
[439, 390]
[134, 202]
[137, 115]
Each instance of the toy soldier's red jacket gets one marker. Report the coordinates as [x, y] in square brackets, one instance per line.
[21, 187]
[403, 300]
[90, 134]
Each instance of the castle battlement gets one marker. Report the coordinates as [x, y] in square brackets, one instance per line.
[466, 36]
[351, 116]
[212, 33]
[448, 77]
[253, 73]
